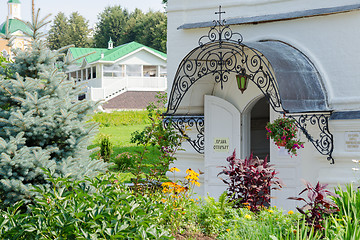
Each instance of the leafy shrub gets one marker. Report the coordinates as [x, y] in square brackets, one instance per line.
[250, 181]
[177, 199]
[317, 207]
[344, 224]
[124, 161]
[105, 147]
[164, 138]
[90, 209]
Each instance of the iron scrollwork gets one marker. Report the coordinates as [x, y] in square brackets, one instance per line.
[196, 122]
[220, 53]
[325, 142]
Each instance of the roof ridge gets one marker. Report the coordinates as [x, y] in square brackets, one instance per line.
[123, 47]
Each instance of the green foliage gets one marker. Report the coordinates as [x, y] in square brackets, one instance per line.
[101, 208]
[105, 147]
[165, 138]
[124, 161]
[58, 33]
[97, 208]
[42, 124]
[4, 69]
[345, 223]
[120, 118]
[111, 23]
[149, 29]
[79, 30]
[69, 31]
[220, 219]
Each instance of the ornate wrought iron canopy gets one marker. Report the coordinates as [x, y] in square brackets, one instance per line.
[222, 52]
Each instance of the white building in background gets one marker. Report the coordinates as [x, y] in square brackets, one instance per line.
[107, 73]
[302, 59]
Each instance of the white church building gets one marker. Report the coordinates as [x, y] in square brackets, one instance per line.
[302, 60]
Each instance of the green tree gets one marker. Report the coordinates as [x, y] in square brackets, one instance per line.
[59, 32]
[111, 23]
[42, 125]
[148, 29]
[65, 31]
[79, 30]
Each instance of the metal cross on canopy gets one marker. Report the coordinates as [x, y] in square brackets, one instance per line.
[220, 12]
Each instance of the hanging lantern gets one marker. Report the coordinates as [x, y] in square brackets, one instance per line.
[242, 81]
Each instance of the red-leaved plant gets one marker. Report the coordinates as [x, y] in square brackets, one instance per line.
[317, 206]
[250, 181]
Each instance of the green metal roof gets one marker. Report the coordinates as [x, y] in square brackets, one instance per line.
[110, 54]
[15, 25]
[13, 1]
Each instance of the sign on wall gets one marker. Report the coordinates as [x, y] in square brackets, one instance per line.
[352, 141]
[221, 145]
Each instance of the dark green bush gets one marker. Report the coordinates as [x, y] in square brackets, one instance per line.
[124, 161]
[105, 147]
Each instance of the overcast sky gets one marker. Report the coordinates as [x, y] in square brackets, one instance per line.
[87, 8]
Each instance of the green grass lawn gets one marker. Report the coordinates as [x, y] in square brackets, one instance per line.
[119, 126]
[121, 135]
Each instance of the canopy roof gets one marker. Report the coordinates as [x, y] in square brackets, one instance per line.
[284, 74]
[299, 83]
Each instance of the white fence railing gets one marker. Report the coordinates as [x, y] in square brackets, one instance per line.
[112, 87]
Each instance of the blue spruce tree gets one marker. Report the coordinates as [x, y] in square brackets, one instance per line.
[42, 125]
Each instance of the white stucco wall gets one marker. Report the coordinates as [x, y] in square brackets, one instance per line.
[331, 44]
[328, 41]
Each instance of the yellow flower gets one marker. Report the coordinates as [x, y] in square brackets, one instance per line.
[167, 184]
[173, 169]
[163, 200]
[228, 230]
[270, 211]
[290, 212]
[247, 216]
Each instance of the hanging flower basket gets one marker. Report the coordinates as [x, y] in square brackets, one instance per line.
[283, 132]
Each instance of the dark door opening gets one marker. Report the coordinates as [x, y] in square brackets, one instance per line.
[260, 116]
